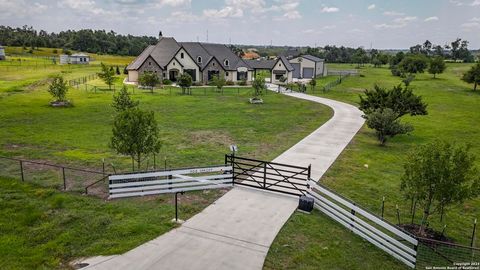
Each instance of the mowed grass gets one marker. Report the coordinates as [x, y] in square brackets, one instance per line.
[44, 229]
[453, 116]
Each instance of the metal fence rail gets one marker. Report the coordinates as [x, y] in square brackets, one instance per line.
[271, 176]
[396, 242]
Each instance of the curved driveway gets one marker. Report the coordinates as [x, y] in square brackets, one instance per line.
[237, 230]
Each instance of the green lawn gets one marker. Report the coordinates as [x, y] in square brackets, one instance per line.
[453, 115]
[42, 228]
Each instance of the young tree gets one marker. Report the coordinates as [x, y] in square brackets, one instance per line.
[107, 75]
[117, 70]
[149, 79]
[219, 81]
[122, 101]
[386, 124]
[437, 66]
[473, 76]
[125, 71]
[185, 82]
[135, 134]
[438, 175]
[401, 101]
[259, 86]
[408, 80]
[58, 88]
[312, 84]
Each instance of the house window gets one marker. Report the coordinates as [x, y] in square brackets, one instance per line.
[226, 62]
[226, 73]
[241, 76]
[174, 63]
[278, 77]
[149, 63]
[199, 59]
[213, 64]
[181, 55]
[279, 64]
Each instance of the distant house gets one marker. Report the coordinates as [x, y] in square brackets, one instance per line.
[77, 59]
[308, 67]
[2, 53]
[169, 59]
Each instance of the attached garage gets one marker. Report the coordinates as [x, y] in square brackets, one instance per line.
[296, 71]
[308, 73]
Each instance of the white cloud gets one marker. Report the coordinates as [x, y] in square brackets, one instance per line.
[393, 13]
[20, 8]
[470, 25]
[405, 20]
[456, 2]
[475, 19]
[225, 12]
[289, 9]
[328, 27]
[372, 6]
[173, 3]
[292, 14]
[389, 26]
[429, 19]
[475, 3]
[330, 9]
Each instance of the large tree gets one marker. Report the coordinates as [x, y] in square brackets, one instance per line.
[135, 134]
[437, 66]
[107, 75]
[401, 101]
[415, 63]
[473, 76]
[438, 175]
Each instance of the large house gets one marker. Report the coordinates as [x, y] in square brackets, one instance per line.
[169, 59]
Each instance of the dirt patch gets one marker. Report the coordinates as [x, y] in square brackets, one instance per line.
[37, 84]
[210, 137]
[429, 233]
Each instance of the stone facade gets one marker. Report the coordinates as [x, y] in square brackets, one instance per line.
[151, 65]
[213, 65]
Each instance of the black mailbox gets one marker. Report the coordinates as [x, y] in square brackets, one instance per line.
[305, 203]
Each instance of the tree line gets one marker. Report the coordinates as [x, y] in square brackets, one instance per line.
[86, 40]
[457, 50]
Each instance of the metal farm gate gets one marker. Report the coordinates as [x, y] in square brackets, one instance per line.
[270, 176]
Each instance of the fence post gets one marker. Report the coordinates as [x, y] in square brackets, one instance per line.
[398, 214]
[21, 171]
[64, 181]
[383, 205]
[473, 232]
[264, 175]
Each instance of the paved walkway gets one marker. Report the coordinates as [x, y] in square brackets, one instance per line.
[237, 230]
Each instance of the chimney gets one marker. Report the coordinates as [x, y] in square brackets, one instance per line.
[160, 35]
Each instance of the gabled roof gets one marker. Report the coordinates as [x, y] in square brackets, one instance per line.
[312, 58]
[222, 53]
[287, 64]
[195, 49]
[261, 64]
[165, 50]
[79, 55]
[137, 63]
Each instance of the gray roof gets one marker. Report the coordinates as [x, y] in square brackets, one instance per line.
[79, 55]
[261, 64]
[195, 49]
[312, 58]
[287, 64]
[222, 53]
[167, 47]
[137, 63]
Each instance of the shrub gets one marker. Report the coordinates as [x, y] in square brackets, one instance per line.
[58, 88]
[166, 82]
[242, 82]
[229, 82]
[386, 124]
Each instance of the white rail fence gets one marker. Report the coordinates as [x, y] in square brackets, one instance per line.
[170, 181]
[377, 231]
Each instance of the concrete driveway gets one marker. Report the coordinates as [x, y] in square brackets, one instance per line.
[237, 230]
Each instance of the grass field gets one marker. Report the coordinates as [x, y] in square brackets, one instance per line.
[42, 228]
[453, 116]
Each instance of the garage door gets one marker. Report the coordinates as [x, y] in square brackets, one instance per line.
[308, 73]
[296, 71]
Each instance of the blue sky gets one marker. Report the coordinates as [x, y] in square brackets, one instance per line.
[381, 24]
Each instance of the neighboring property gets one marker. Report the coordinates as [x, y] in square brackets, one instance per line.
[78, 58]
[308, 67]
[2, 53]
[169, 59]
[282, 70]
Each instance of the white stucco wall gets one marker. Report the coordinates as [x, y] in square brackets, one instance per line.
[188, 63]
[304, 63]
[133, 76]
[281, 67]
